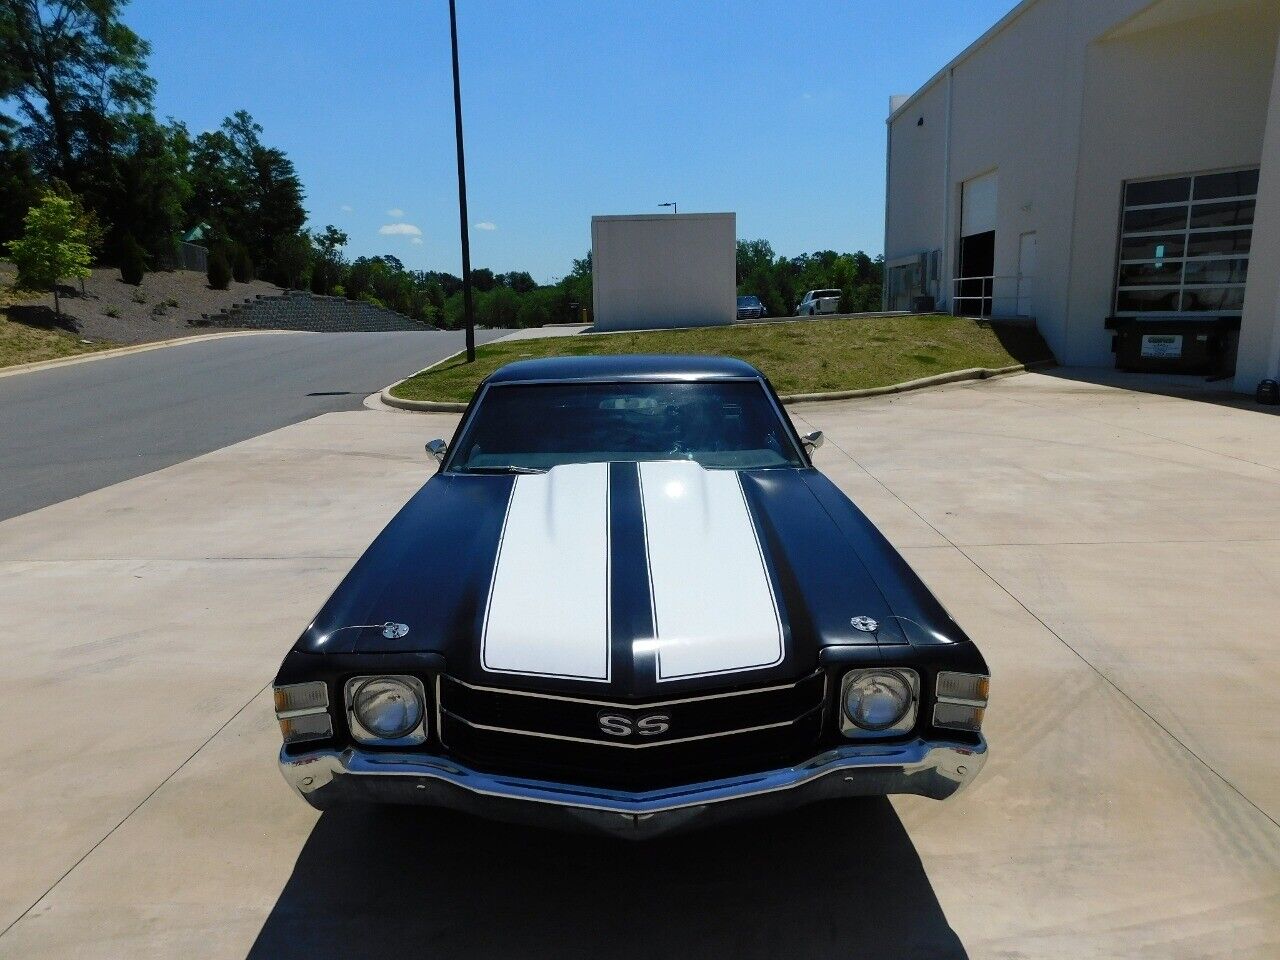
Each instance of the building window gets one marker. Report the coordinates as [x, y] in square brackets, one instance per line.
[1184, 244]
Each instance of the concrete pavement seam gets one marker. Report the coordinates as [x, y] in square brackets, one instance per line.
[1081, 657]
[141, 803]
[1117, 688]
[1153, 436]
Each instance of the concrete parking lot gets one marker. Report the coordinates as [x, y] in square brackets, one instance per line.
[1116, 554]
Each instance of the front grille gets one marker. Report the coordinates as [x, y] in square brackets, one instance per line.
[562, 738]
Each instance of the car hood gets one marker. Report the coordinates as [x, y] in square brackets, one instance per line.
[624, 578]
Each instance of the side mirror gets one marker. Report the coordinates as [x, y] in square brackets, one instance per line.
[437, 449]
[812, 441]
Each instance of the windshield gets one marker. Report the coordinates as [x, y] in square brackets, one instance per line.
[826, 293]
[724, 424]
[748, 302]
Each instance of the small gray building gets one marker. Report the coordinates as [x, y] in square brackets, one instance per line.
[663, 270]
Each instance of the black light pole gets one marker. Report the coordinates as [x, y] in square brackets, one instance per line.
[673, 206]
[467, 312]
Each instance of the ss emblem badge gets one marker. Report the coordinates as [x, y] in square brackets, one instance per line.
[649, 725]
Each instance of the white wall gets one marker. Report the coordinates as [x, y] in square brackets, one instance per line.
[1186, 97]
[663, 270]
[1259, 354]
[1066, 101]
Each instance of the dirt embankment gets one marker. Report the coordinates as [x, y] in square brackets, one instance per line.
[161, 308]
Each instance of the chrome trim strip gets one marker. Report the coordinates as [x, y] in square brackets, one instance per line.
[646, 705]
[952, 765]
[304, 712]
[629, 746]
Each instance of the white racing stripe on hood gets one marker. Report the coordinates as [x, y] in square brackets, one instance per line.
[714, 609]
[548, 612]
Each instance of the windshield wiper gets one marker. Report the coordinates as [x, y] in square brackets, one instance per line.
[507, 469]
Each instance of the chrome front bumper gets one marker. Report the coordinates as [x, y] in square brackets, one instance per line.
[934, 769]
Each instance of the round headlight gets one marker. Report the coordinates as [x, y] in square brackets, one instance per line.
[877, 700]
[387, 708]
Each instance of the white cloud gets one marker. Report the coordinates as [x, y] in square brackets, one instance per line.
[399, 230]
[347, 208]
[417, 240]
[395, 212]
[485, 225]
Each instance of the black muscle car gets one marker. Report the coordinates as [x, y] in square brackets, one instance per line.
[628, 601]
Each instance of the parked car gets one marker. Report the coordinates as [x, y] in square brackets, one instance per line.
[817, 302]
[750, 308]
[628, 602]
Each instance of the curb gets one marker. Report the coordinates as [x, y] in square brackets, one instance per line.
[36, 365]
[937, 380]
[424, 406]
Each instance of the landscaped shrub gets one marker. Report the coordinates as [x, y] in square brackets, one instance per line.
[139, 296]
[242, 265]
[133, 261]
[111, 311]
[219, 272]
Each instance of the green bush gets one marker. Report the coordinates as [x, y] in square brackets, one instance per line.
[219, 272]
[139, 296]
[133, 261]
[242, 265]
[111, 311]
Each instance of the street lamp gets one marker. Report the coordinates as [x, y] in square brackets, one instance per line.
[672, 205]
[467, 312]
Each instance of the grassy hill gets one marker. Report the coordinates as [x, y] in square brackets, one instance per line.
[798, 357]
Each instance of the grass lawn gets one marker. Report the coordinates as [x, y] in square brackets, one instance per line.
[23, 343]
[801, 357]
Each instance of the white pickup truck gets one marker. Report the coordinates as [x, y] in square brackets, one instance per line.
[819, 301]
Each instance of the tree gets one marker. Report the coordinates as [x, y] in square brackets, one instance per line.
[291, 254]
[133, 262]
[518, 280]
[148, 190]
[752, 256]
[218, 271]
[241, 264]
[52, 246]
[247, 190]
[19, 185]
[73, 69]
[326, 271]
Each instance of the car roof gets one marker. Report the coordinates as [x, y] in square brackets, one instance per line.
[624, 367]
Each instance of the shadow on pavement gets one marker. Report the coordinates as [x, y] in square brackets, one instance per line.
[839, 879]
[1182, 386]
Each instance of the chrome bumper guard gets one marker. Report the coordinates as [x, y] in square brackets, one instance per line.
[935, 769]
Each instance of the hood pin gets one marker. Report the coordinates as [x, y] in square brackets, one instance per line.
[865, 624]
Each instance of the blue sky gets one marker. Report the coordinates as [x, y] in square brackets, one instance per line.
[772, 110]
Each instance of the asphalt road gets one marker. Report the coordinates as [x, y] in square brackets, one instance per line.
[69, 430]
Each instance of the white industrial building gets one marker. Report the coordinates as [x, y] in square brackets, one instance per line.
[1100, 164]
[663, 270]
